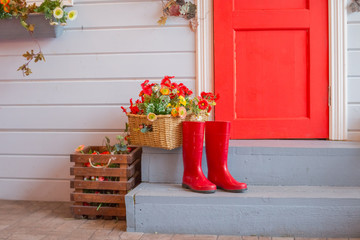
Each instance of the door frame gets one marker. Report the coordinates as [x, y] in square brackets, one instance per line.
[337, 61]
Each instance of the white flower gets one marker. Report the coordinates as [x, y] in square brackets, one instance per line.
[53, 23]
[58, 13]
[63, 24]
[72, 15]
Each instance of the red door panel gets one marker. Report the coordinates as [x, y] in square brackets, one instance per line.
[271, 67]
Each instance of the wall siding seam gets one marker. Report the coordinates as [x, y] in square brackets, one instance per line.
[126, 27]
[106, 53]
[41, 130]
[37, 179]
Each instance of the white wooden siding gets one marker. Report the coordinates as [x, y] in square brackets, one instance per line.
[354, 76]
[74, 98]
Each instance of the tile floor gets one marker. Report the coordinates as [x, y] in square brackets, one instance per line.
[29, 220]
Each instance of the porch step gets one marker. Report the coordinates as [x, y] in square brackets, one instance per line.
[269, 162]
[296, 211]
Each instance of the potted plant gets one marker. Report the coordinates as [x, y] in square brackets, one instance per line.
[31, 17]
[155, 119]
[102, 177]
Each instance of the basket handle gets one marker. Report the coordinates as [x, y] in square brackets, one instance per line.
[107, 165]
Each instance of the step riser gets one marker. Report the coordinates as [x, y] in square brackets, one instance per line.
[262, 211]
[275, 221]
[265, 166]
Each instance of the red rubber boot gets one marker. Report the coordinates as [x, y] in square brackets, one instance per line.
[217, 135]
[193, 140]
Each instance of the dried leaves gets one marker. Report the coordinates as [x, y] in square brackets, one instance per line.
[30, 56]
[182, 9]
[355, 6]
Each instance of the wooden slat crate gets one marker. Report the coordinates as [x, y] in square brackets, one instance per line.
[89, 194]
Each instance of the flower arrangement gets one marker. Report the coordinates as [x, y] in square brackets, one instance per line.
[182, 8]
[53, 10]
[170, 98]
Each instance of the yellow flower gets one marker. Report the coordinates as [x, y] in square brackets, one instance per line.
[72, 15]
[182, 112]
[169, 105]
[164, 91]
[174, 112]
[58, 13]
[182, 100]
[151, 117]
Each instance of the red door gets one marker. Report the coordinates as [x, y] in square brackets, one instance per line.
[271, 67]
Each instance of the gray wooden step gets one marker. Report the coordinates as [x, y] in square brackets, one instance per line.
[296, 211]
[269, 162]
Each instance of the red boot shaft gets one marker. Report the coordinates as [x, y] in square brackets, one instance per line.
[217, 136]
[193, 139]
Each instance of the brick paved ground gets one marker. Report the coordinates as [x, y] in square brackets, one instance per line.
[24, 220]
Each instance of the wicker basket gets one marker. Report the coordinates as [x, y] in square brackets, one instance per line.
[166, 131]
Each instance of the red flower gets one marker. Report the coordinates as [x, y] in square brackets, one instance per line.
[87, 164]
[203, 104]
[146, 87]
[209, 109]
[94, 153]
[106, 152]
[174, 10]
[101, 179]
[166, 81]
[174, 85]
[133, 108]
[124, 109]
[127, 138]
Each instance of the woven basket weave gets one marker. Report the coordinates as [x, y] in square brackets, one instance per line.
[166, 133]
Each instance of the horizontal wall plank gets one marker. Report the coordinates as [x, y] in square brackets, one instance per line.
[75, 92]
[108, 41]
[62, 117]
[50, 143]
[354, 117]
[354, 90]
[353, 36]
[103, 66]
[121, 14]
[35, 190]
[39, 167]
[353, 17]
[353, 57]
[354, 136]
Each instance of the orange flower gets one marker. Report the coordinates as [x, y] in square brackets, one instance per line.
[5, 2]
[80, 148]
[174, 112]
[182, 112]
[165, 91]
[6, 8]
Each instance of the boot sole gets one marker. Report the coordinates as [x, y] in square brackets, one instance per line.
[234, 191]
[198, 191]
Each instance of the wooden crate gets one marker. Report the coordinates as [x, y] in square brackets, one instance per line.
[88, 194]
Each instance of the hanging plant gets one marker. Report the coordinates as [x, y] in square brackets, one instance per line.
[53, 10]
[179, 8]
[355, 6]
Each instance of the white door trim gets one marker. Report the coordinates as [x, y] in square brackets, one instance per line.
[337, 61]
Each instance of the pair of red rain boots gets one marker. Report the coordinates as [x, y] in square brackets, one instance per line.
[217, 135]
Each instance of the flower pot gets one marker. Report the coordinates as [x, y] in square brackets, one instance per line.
[166, 131]
[12, 29]
[104, 195]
